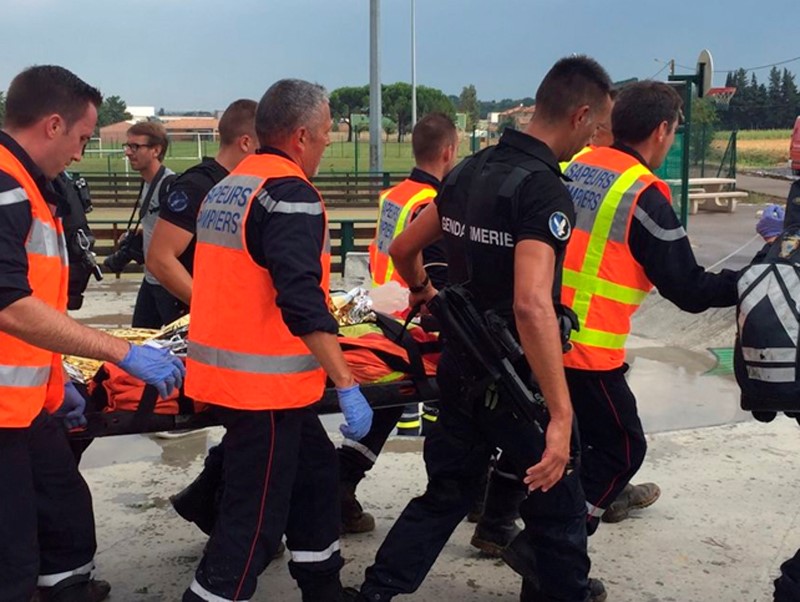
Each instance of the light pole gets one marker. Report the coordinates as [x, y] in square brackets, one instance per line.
[375, 108]
[413, 63]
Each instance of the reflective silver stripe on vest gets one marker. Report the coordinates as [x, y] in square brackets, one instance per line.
[387, 223]
[24, 376]
[619, 226]
[43, 239]
[312, 556]
[657, 231]
[251, 362]
[221, 218]
[326, 243]
[290, 207]
[770, 354]
[771, 375]
[11, 197]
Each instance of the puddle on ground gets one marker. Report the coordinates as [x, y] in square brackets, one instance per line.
[178, 452]
[675, 390]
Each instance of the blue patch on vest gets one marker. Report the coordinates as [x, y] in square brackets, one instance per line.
[559, 225]
[178, 201]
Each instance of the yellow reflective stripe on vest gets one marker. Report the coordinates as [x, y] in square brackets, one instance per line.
[614, 208]
[564, 164]
[402, 221]
[252, 363]
[603, 288]
[599, 338]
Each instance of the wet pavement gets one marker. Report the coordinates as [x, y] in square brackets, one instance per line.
[727, 516]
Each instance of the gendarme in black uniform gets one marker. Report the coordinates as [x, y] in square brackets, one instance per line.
[481, 231]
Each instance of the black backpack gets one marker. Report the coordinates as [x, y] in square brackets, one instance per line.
[78, 236]
[766, 361]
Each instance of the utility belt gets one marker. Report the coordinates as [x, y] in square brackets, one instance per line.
[488, 351]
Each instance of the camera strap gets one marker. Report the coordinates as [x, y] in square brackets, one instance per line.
[147, 198]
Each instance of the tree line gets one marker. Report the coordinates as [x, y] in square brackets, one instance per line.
[756, 106]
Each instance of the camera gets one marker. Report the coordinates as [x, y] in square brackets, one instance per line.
[130, 248]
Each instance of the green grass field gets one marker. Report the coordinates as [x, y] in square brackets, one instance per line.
[340, 156]
[755, 148]
[755, 135]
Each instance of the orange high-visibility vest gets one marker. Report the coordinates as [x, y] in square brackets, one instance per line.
[240, 352]
[602, 282]
[396, 207]
[32, 378]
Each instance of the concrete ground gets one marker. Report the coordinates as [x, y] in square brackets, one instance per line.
[727, 517]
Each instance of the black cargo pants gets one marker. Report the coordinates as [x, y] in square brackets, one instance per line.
[280, 476]
[46, 520]
[456, 455]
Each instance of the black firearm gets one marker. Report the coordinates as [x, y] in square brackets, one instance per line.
[489, 348]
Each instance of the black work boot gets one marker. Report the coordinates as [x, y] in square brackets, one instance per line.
[325, 589]
[354, 519]
[631, 498]
[497, 527]
[197, 503]
[519, 557]
[530, 591]
[74, 589]
[351, 594]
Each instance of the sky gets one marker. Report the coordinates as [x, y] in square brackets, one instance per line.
[202, 54]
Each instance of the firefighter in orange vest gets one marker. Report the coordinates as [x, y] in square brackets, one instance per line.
[434, 141]
[47, 539]
[260, 344]
[627, 239]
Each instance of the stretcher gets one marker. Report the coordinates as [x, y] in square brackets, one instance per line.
[393, 367]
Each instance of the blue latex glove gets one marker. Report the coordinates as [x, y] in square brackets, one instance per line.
[155, 366]
[73, 408]
[357, 412]
[771, 222]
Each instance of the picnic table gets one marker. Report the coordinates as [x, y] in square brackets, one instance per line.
[712, 194]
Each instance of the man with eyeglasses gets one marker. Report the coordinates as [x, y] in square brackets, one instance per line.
[145, 149]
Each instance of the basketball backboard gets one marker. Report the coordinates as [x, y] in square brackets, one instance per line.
[705, 72]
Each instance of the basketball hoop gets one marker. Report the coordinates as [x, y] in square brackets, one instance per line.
[721, 97]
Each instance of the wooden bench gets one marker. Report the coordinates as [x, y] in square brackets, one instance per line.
[346, 235]
[722, 200]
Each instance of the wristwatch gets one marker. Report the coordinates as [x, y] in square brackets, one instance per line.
[420, 287]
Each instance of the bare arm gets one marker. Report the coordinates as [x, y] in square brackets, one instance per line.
[167, 245]
[326, 349]
[406, 251]
[534, 265]
[35, 322]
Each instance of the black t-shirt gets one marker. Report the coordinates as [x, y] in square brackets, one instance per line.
[434, 256]
[481, 230]
[185, 196]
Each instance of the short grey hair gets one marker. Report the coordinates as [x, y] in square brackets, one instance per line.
[288, 104]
